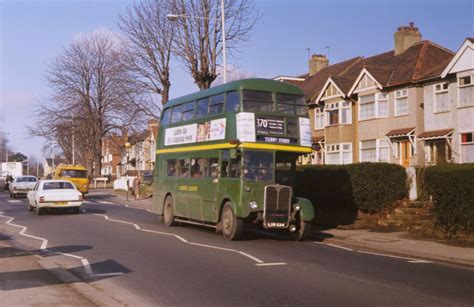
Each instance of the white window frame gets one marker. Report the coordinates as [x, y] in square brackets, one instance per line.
[438, 88]
[319, 113]
[377, 100]
[461, 86]
[339, 106]
[378, 147]
[338, 148]
[401, 94]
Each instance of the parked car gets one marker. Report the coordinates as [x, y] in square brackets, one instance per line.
[147, 177]
[54, 194]
[21, 185]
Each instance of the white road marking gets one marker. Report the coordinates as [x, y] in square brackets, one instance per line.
[107, 274]
[87, 266]
[255, 259]
[14, 201]
[44, 244]
[270, 263]
[410, 260]
[334, 245]
[251, 257]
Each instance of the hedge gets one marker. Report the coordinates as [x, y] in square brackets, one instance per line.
[338, 192]
[452, 189]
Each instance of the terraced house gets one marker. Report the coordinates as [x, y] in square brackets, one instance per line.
[374, 109]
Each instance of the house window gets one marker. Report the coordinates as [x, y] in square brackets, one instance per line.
[338, 113]
[339, 153]
[466, 91]
[382, 105]
[467, 147]
[441, 99]
[318, 118]
[373, 106]
[367, 107]
[383, 151]
[401, 102]
[368, 151]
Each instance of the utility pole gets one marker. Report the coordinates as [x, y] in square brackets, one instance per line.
[37, 169]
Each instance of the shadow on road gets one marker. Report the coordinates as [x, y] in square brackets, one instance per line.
[100, 196]
[4, 237]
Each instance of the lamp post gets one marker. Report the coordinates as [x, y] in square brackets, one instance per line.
[174, 17]
[127, 148]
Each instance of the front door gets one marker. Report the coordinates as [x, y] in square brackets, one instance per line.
[405, 153]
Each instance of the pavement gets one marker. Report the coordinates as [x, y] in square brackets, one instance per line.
[25, 282]
[394, 243]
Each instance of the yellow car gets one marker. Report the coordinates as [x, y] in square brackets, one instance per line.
[77, 174]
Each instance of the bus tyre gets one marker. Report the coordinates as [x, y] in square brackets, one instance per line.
[168, 212]
[231, 225]
[302, 231]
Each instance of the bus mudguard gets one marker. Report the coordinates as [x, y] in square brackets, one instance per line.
[307, 209]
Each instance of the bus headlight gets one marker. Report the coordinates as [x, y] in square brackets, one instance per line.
[253, 205]
[85, 186]
[296, 207]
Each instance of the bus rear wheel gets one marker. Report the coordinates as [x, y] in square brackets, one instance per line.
[168, 212]
[231, 225]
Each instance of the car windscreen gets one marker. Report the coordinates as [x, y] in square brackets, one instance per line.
[26, 179]
[73, 173]
[58, 185]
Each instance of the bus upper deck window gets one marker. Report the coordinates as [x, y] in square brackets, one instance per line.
[217, 104]
[257, 101]
[165, 120]
[291, 104]
[202, 107]
[232, 102]
[177, 113]
[188, 110]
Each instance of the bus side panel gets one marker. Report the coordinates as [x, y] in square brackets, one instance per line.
[229, 188]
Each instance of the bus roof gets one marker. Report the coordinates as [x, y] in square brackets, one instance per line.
[257, 84]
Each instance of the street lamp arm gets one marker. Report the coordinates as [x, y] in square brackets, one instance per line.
[174, 17]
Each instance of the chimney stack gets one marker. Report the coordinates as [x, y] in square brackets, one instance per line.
[317, 62]
[405, 37]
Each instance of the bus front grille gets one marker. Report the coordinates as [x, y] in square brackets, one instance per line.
[277, 206]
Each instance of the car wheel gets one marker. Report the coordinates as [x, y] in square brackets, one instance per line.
[168, 212]
[302, 231]
[231, 225]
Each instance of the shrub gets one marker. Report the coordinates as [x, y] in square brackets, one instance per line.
[452, 189]
[338, 192]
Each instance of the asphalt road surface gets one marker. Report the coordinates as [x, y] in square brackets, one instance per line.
[128, 254]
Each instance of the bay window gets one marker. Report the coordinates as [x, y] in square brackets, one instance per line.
[318, 118]
[338, 113]
[339, 153]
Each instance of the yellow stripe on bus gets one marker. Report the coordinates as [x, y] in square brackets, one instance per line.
[301, 149]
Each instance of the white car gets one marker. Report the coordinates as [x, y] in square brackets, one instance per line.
[21, 185]
[57, 194]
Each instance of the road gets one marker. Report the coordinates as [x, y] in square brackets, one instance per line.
[127, 254]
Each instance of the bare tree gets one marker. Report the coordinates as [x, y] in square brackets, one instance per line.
[149, 43]
[90, 85]
[198, 39]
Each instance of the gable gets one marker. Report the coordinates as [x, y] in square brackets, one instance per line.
[366, 82]
[330, 90]
[465, 61]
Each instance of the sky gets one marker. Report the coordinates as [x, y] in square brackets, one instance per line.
[34, 32]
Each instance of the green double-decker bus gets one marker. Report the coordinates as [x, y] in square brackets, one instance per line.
[226, 158]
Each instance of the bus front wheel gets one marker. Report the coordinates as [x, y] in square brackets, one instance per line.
[231, 225]
[302, 231]
[168, 212]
